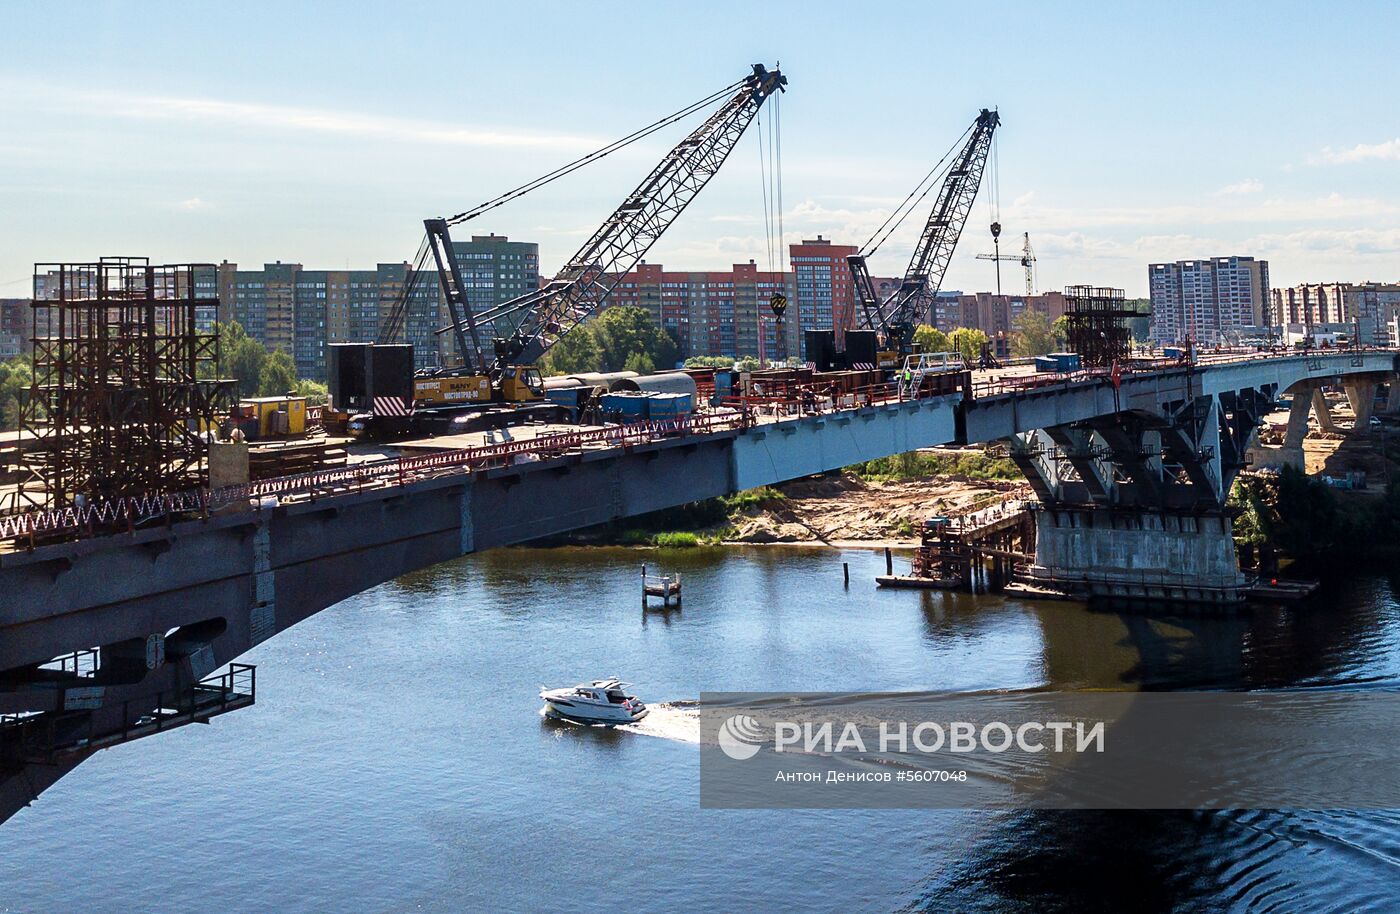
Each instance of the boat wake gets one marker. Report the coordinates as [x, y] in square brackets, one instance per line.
[673, 720]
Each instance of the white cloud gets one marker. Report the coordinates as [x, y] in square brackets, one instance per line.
[192, 204]
[1207, 212]
[1361, 152]
[1247, 186]
[218, 112]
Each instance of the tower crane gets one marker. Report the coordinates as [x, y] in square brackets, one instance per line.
[536, 321]
[895, 317]
[1026, 258]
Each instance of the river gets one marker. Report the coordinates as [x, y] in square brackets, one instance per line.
[395, 760]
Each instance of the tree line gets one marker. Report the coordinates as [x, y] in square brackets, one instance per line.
[259, 371]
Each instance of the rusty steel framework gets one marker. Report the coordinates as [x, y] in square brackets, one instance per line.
[1096, 325]
[118, 406]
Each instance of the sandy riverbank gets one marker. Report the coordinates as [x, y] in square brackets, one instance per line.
[844, 509]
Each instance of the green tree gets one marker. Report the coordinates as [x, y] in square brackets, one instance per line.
[241, 357]
[931, 339]
[968, 342]
[620, 339]
[1034, 335]
[577, 352]
[639, 362]
[709, 361]
[747, 363]
[625, 331]
[16, 375]
[1061, 330]
[315, 392]
[278, 375]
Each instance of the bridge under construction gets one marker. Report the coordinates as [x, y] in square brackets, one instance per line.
[118, 614]
[139, 556]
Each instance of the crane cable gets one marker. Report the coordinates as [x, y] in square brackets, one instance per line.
[778, 178]
[909, 203]
[763, 183]
[595, 155]
[770, 169]
[994, 194]
[393, 322]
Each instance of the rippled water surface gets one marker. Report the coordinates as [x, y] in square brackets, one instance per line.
[396, 761]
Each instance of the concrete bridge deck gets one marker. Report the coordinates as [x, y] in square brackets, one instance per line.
[169, 605]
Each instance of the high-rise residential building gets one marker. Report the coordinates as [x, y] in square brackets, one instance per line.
[286, 306]
[496, 269]
[666, 296]
[946, 311]
[14, 327]
[1370, 307]
[714, 312]
[1208, 301]
[825, 295]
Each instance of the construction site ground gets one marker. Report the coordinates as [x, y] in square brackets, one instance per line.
[1339, 453]
[844, 509]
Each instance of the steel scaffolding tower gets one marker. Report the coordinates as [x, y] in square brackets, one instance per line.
[121, 398]
[1096, 325]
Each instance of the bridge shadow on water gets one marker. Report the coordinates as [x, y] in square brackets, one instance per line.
[1165, 860]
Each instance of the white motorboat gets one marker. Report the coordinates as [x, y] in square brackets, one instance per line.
[603, 701]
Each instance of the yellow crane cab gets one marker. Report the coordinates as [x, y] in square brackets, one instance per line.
[888, 360]
[521, 384]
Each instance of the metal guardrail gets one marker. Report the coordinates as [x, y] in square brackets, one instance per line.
[1139, 366]
[50, 736]
[128, 513]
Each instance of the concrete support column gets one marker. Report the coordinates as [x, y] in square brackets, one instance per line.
[1392, 399]
[1298, 420]
[1291, 452]
[1150, 556]
[1362, 396]
[1324, 413]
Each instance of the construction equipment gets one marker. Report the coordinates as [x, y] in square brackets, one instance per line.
[533, 323]
[269, 417]
[895, 318]
[1026, 258]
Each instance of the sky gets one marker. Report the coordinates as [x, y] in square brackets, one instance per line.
[325, 132]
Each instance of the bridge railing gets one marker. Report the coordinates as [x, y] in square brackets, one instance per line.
[1001, 386]
[130, 512]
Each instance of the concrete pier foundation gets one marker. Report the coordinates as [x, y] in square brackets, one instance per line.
[1138, 555]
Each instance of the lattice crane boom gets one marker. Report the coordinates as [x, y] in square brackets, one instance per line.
[895, 317]
[543, 317]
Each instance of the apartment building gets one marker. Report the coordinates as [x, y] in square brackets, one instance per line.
[1369, 307]
[714, 312]
[825, 294]
[14, 327]
[286, 306]
[1209, 301]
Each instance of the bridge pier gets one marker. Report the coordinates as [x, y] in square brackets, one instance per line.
[1290, 453]
[1161, 557]
[1324, 412]
[1361, 394]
